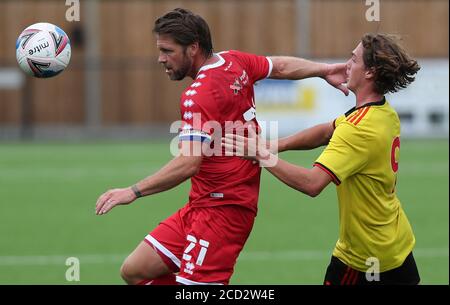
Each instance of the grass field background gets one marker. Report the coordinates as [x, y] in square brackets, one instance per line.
[48, 193]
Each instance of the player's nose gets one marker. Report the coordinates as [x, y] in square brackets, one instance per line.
[162, 59]
[348, 68]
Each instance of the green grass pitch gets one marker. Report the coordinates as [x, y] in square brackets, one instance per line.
[48, 193]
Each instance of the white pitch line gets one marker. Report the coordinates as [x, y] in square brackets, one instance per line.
[292, 255]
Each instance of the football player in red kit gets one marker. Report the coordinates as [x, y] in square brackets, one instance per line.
[200, 243]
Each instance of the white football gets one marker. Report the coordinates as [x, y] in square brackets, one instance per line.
[43, 50]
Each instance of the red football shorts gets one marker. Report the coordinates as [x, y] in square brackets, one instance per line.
[203, 243]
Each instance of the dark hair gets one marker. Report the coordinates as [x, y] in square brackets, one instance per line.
[394, 69]
[185, 28]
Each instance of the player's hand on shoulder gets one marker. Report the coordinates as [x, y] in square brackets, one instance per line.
[112, 198]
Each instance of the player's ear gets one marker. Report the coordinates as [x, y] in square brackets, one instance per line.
[370, 73]
[193, 49]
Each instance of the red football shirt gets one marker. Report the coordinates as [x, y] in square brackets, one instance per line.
[222, 96]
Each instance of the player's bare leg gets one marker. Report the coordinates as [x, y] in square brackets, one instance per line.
[143, 264]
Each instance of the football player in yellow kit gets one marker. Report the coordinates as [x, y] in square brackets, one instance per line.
[361, 158]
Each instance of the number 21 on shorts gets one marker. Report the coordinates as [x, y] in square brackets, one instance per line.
[201, 256]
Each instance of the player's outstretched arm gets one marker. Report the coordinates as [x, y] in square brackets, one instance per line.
[308, 181]
[310, 138]
[294, 68]
[179, 169]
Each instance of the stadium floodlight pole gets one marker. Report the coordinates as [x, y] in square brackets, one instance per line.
[303, 27]
[92, 66]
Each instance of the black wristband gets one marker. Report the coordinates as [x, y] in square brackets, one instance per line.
[136, 191]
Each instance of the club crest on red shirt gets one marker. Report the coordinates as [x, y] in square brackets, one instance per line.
[236, 86]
